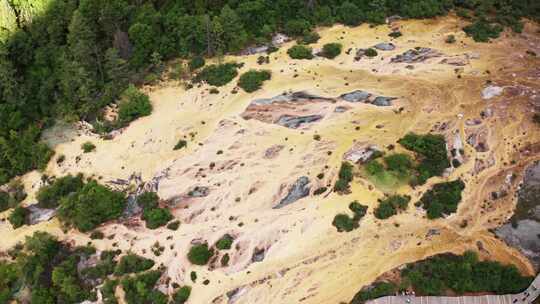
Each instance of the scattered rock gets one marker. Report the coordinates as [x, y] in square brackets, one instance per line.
[341, 109]
[295, 122]
[419, 54]
[356, 96]
[298, 190]
[491, 91]
[199, 191]
[385, 46]
[382, 101]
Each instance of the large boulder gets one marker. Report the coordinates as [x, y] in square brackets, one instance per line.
[298, 190]
[385, 46]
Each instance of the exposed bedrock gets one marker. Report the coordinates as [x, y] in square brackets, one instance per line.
[295, 122]
[298, 190]
[523, 231]
[419, 54]
[385, 46]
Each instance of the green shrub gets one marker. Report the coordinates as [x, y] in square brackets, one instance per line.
[218, 75]
[343, 222]
[225, 260]
[9, 279]
[148, 200]
[181, 295]
[296, 27]
[371, 52]
[140, 289]
[97, 235]
[132, 263]
[180, 144]
[200, 254]
[156, 217]
[252, 80]
[374, 291]
[345, 176]
[91, 206]
[300, 52]
[196, 63]
[108, 292]
[450, 39]
[49, 196]
[225, 242]
[373, 167]
[17, 218]
[88, 147]
[442, 199]
[331, 50]
[173, 225]
[5, 200]
[432, 151]
[483, 31]
[358, 209]
[349, 14]
[132, 105]
[395, 34]
[320, 191]
[399, 163]
[391, 206]
[310, 37]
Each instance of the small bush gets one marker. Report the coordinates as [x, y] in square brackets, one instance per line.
[300, 52]
[331, 50]
[181, 295]
[157, 217]
[432, 151]
[358, 209]
[371, 52]
[173, 225]
[132, 105]
[450, 39]
[252, 81]
[225, 260]
[140, 289]
[132, 263]
[320, 191]
[395, 34]
[88, 147]
[391, 206]
[225, 242]
[200, 254]
[345, 177]
[309, 38]
[5, 200]
[148, 200]
[217, 75]
[343, 222]
[17, 218]
[97, 235]
[196, 63]
[180, 144]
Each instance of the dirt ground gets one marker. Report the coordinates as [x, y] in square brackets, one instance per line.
[306, 259]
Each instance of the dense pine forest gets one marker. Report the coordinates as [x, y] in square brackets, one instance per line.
[73, 57]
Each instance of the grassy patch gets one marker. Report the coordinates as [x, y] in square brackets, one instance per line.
[88, 147]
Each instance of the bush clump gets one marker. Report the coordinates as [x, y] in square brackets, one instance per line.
[483, 31]
[180, 144]
[344, 222]
[309, 38]
[140, 289]
[345, 177]
[391, 206]
[432, 151]
[200, 254]
[132, 263]
[252, 80]
[156, 217]
[148, 200]
[300, 52]
[50, 196]
[371, 52]
[91, 206]
[196, 62]
[442, 199]
[181, 295]
[17, 218]
[331, 50]
[174, 225]
[225, 242]
[132, 105]
[218, 75]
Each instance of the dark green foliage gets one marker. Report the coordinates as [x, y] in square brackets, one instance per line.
[196, 62]
[310, 37]
[349, 14]
[180, 144]
[483, 31]
[17, 217]
[88, 147]
[5, 199]
[431, 149]
[399, 163]
[296, 27]
[300, 52]
[442, 199]
[331, 50]
[108, 291]
[49, 196]
[200, 254]
[225, 242]
[132, 263]
[148, 200]
[374, 291]
[12, 197]
[345, 177]
[9, 281]
[391, 206]
[450, 39]
[373, 167]
[343, 222]
[132, 105]
[320, 191]
[358, 209]
[463, 274]
[371, 52]
[97, 235]
[225, 260]
[140, 289]
[395, 34]
[156, 217]
[217, 75]
[181, 295]
[91, 206]
[173, 225]
[252, 80]
[193, 276]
